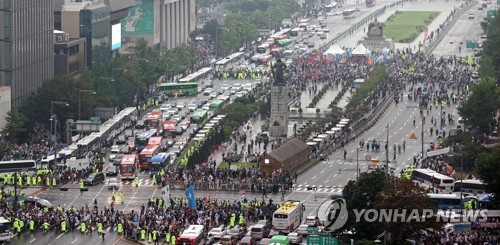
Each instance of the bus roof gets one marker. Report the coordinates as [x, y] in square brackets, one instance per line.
[448, 196]
[303, 20]
[193, 230]
[155, 140]
[160, 157]
[148, 133]
[216, 102]
[149, 150]
[129, 158]
[175, 84]
[4, 220]
[470, 181]
[168, 125]
[288, 207]
[199, 112]
[432, 173]
[195, 75]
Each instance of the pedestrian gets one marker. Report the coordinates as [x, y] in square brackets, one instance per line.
[264, 192]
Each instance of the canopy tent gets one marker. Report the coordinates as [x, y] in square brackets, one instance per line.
[345, 120]
[311, 143]
[330, 132]
[360, 50]
[200, 135]
[335, 129]
[333, 50]
[203, 131]
[317, 139]
[197, 138]
[220, 116]
[322, 136]
[340, 125]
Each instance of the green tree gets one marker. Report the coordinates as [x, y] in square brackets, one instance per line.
[5, 149]
[16, 124]
[488, 168]
[478, 110]
[406, 196]
[359, 195]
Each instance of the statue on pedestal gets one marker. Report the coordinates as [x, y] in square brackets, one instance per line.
[278, 70]
[375, 29]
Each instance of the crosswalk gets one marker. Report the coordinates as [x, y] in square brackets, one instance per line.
[142, 182]
[324, 189]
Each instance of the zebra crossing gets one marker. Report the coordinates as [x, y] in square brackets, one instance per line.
[142, 182]
[320, 188]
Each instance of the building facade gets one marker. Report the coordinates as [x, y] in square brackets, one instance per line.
[162, 23]
[70, 57]
[26, 45]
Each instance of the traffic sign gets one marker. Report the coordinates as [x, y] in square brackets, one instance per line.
[490, 13]
[95, 118]
[321, 240]
[368, 157]
[413, 136]
[470, 44]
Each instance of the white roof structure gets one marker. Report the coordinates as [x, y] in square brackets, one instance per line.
[360, 50]
[333, 50]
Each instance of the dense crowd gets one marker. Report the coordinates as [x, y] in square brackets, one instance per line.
[473, 237]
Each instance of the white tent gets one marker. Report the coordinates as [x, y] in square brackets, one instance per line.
[360, 50]
[334, 49]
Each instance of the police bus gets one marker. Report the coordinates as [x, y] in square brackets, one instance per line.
[471, 186]
[193, 235]
[288, 217]
[6, 230]
[433, 179]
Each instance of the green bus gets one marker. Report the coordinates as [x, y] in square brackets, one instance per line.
[216, 105]
[199, 115]
[181, 89]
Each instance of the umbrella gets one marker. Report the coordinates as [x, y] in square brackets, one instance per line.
[311, 143]
[322, 136]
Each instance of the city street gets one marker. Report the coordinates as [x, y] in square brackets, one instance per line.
[328, 176]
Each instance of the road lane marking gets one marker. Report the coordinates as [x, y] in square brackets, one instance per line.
[327, 181]
[74, 241]
[74, 199]
[31, 240]
[60, 235]
[313, 177]
[323, 171]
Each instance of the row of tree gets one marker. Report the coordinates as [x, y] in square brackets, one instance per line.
[117, 83]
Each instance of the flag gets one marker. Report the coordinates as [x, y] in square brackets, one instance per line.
[165, 192]
[191, 198]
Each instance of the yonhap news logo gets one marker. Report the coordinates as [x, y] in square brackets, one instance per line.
[335, 214]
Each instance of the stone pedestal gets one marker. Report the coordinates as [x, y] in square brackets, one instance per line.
[278, 126]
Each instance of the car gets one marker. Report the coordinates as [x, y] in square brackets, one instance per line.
[237, 232]
[208, 84]
[241, 94]
[124, 149]
[326, 30]
[217, 232]
[480, 8]
[213, 95]
[471, 16]
[176, 118]
[302, 230]
[113, 183]
[128, 133]
[112, 170]
[261, 229]
[208, 91]
[183, 113]
[227, 240]
[94, 179]
[295, 238]
[184, 126]
[121, 139]
[265, 241]
[115, 149]
[319, 33]
[192, 107]
[311, 33]
[323, 36]
[225, 87]
[118, 159]
[236, 85]
[179, 145]
[323, 25]
[310, 45]
[180, 106]
[248, 241]
[338, 12]
[179, 130]
[206, 107]
[330, 13]
[140, 124]
[233, 91]
[170, 142]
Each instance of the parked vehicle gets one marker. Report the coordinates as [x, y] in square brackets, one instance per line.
[94, 179]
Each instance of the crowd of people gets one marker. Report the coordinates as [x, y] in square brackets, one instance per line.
[478, 236]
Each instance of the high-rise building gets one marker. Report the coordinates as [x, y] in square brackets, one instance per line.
[165, 23]
[26, 45]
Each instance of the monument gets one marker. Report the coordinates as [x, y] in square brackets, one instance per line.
[278, 126]
[375, 38]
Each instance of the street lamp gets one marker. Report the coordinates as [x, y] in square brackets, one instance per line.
[52, 116]
[80, 91]
[387, 151]
[357, 163]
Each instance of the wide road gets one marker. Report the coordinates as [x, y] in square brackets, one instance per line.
[467, 28]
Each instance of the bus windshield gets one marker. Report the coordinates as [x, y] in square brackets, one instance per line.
[127, 168]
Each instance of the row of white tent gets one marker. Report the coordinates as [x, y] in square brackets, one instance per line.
[335, 49]
[320, 138]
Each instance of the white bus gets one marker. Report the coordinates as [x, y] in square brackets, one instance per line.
[288, 217]
[348, 13]
[6, 231]
[193, 235]
[471, 186]
[431, 178]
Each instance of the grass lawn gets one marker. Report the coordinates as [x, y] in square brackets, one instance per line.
[405, 26]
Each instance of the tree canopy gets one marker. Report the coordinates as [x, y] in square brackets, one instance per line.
[478, 110]
[488, 168]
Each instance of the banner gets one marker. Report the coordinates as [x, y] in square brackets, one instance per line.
[191, 198]
[165, 193]
[445, 150]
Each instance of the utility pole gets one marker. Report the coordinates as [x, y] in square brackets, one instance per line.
[387, 151]
[357, 163]
[422, 136]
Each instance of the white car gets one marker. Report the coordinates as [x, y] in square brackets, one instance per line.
[218, 232]
[113, 183]
[114, 151]
[295, 238]
[192, 107]
[225, 87]
[208, 91]
[326, 30]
